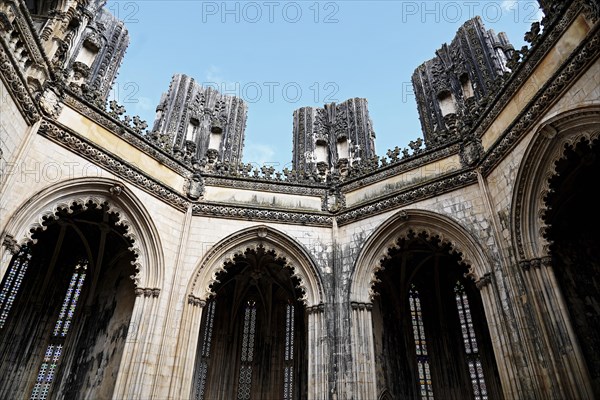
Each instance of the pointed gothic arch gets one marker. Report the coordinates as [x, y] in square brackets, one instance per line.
[285, 256]
[449, 257]
[435, 225]
[286, 248]
[554, 222]
[118, 200]
[537, 168]
[83, 251]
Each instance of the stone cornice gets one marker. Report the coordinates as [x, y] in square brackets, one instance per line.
[248, 213]
[79, 145]
[117, 127]
[407, 196]
[401, 166]
[121, 168]
[544, 44]
[585, 53]
[267, 185]
[16, 86]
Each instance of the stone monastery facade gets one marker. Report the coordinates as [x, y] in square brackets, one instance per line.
[147, 261]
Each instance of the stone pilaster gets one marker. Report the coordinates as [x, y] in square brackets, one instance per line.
[318, 355]
[566, 370]
[133, 382]
[363, 351]
[185, 359]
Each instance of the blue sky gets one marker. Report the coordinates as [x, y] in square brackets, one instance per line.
[282, 55]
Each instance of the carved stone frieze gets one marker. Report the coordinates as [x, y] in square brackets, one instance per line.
[399, 166]
[16, 86]
[82, 147]
[586, 52]
[117, 127]
[406, 197]
[267, 186]
[261, 214]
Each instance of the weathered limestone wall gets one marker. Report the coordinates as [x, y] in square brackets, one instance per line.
[13, 133]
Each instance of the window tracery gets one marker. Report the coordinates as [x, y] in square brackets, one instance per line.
[45, 376]
[205, 349]
[247, 357]
[12, 282]
[470, 342]
[425, 383]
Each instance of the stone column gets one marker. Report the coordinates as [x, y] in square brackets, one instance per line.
[185, 355]
[500, 337]
[318, 356]
[363, 351]
[567, 370]
[9, 249]
[130, 382]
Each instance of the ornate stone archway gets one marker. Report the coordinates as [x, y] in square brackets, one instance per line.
[118, 200]
[376, 251]
[303, 268]
[566, 372]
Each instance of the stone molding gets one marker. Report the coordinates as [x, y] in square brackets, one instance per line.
[545, 150]
[290, 253]
[587, 51]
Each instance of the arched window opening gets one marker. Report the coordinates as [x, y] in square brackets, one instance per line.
[467, 86]
[288, 381]
[470, 341]
[447, 103]
[65, 333]
[573, 219]
[419, 326]
[12, 282]
[252, 336]
[61, 329]
[420, 344]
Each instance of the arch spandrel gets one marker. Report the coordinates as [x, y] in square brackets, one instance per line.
[385, 237]
[105, 193]
[286, 249]
[537, 168]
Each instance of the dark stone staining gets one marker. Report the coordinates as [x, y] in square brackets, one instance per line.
[257, 276]
[93, 346]
[332, 138]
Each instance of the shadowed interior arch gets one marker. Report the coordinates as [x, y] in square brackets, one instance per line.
[78, 277]
[573, 219]
[252, 342]
[424, 334]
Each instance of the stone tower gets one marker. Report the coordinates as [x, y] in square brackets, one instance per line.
[86, 41]
[196, 121]
[98, 54]
[333, 137]
[461, 74]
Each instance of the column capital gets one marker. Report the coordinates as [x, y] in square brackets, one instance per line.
[361, 306]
